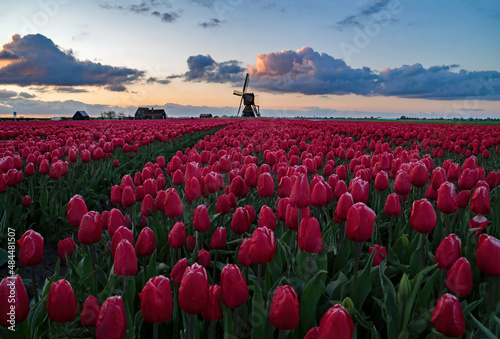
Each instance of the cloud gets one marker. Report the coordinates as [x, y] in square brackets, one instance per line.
[308, 72]
[41, 62]
[5, 94]
[204, 68]
[373, 11]
[70, 90]
[167, 16]
[160, 81]
[211, 23]
[26, 95]
[153, 7]
[206, 3]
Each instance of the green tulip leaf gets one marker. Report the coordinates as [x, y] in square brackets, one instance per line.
[315, 288]
[259, 314]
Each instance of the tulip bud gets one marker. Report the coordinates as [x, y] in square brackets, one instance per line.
[146, 243]
[203, 258]
[336, 323]
[125, 260]
[14, 307]
[262, 246]
[234, 289]
[31, 251]
[178, 271]
[177, 235]
[448, 251]
[61, 302]
[90, 230]
[26, 201]
[488, 252]
[173, 204]
[447, 199]
[112, 320]
[343, 206]
[201, 219]
[380, 254]
[76, 210]
[65, 248]
[213, 310]
[348, 305]
[360, 220]
[156, 300]
[193, 293]
[310, 236]
[459, 278]
[90, 312]
[300, 196]
[218, 238]
[404, 288]
[284, 313]
[448, 317]
[423, 217]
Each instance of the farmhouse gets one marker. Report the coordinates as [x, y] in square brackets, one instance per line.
[81, 115]
[205, 116]
[150, 113]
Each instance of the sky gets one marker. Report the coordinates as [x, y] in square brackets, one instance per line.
[336, 58]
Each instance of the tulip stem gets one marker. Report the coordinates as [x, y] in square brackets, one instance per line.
[155, 330]
[144, 278]
[259, 273]
[441, 282]
[235, 320]
[33, 278]
[191, 326]
[215, 264]
[355, 278]
[93, 259]
[422, 250]
[309, 265]
[447, 225]
[391, 225]
[280, 334]
[341, 236]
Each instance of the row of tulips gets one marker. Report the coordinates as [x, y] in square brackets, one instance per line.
[307, 244]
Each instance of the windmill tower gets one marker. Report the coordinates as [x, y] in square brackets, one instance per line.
[248, 99]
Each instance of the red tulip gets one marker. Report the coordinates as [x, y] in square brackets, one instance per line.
[459, 278]
[263, 246]
[340, 188]
[240, 222]
[479, 222]
[146, 243]
[343, 206]
[128, 196]
[148, 206]
[26, 201]
[14, 302]
[381, 181]
[447, 199]
[156, 300]
[178, 271]
[121, 233]
[319, 194]
[90, 230]
[177, 235]
[76, 210]
[310, 236]
[392, 205]
[192, 189]
[480, 202]
[193, 293]
[336, 323]
[438, 177]
[223, 205]
[488, 252]
[213, 310]
[423, 217]
[90, 312]
[243, 253]
[116, 220]
[233, 288]
[265, 186]
[201, 219]
[360, 219]
[218, 240]
[116, 195]
[453, 172]
[31, 251]
[61, 302]
[267, 218]
[112, 320]
[177, 178]
[65, 248]
[203, 258]
[313, 333]
[448, 317]
[300, 196]
[173, 204]
[463, 199]
[284, 313]
[402, 185]
[285, 187]
[419, 175]
[252, 216]
[448, 251]
[125, 260]
[380, 254]
[359, 190]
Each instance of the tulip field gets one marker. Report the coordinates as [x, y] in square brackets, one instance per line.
[235, 228]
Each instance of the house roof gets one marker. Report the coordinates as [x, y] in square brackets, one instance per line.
[82, 113]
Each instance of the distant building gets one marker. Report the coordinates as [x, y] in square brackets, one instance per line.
[205, 116]
[150, 113]
[81, 115]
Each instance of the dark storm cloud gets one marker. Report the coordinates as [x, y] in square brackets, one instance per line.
[5, 94]
[41, 62]
[204, 68]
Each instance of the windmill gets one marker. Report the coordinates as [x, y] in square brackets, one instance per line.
[251, 109]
